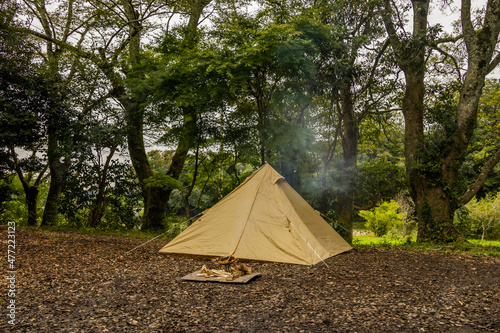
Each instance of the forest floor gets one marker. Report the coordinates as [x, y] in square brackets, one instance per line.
[73, 282]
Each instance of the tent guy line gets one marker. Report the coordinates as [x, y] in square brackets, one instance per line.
[152, 239]
[305, 240]
[333, 222]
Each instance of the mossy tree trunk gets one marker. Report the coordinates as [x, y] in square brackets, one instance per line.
[434, 192]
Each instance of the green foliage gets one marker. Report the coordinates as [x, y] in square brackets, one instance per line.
[485, 142]
[122, 197]
[13, 206]
[176, 226]
[265, 81]
[163, 181]
[473, 247]
[377, 180]
[383, 218]
[360, 241]
[123, 201]
[25, 93]
[480, 218]
[7, 191]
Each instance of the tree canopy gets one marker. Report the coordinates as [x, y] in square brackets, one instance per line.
[141, 113]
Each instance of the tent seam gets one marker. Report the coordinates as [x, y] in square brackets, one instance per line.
[246, 219]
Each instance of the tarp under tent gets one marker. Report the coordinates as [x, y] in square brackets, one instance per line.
[263, 219]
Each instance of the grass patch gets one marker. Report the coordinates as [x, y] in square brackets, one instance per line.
[474, 247]
[485, 242]
[378, 241]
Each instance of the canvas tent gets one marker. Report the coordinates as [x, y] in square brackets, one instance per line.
[262, 219]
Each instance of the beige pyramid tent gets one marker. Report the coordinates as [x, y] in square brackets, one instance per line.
[262, 219]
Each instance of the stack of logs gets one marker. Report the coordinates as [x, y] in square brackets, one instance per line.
[228, 271]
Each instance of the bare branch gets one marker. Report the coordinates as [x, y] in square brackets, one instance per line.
[40, 177]
[449, 56]
[452, 39]
[68, 20]
[375, 66]
[17, 168]
[371, 205]
[79, 51]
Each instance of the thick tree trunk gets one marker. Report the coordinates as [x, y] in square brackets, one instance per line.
[413, 110]
[155, 197]
[434, 206]
[435, 217]
[187, 138]
[432, 191]
[51, 210]
[57, 169]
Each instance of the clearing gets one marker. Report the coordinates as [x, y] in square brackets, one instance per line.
[73, 282]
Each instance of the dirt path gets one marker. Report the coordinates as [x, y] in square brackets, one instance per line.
[70, 282]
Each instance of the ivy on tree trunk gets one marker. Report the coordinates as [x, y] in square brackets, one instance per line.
[431, 179]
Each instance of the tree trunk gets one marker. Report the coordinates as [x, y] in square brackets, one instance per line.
[434, 206]
[350, 136]
[187, 138]
[432, 192]
[51, 210]
[193, 183]
[96, 209]
[30, 191]
[186, 141]
[155, 197]
[57, 169]
[31, 200]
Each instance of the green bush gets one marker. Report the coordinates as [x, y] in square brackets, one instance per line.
[383, 218]
[480, 219]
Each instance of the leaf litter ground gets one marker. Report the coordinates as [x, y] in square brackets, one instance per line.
[73, 282]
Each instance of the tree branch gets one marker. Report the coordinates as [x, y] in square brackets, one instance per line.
[375, 66]
[447, 40]
[78, 51]
[494, 63]
[488, 166]
[389, 25]
[18, 169]
[447, 55]
[40, 175]
[467, 26]
[68, 21]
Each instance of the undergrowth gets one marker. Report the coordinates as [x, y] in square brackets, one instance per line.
[472, 247]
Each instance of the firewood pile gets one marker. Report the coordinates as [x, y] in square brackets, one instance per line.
[229, 270]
